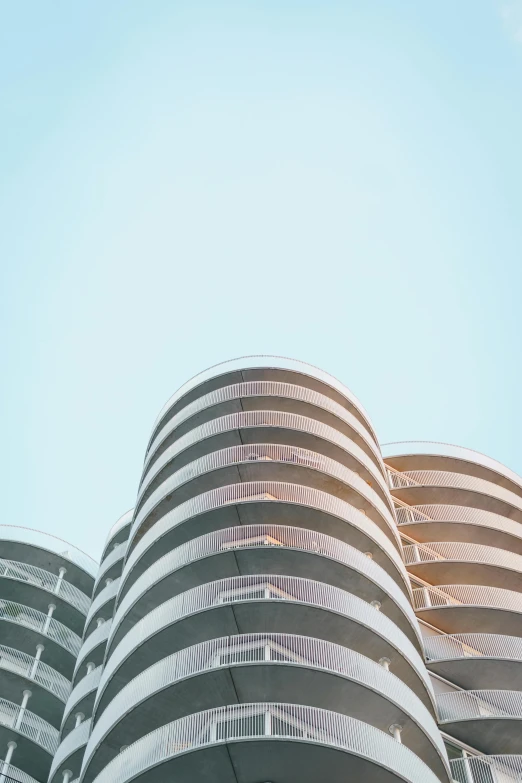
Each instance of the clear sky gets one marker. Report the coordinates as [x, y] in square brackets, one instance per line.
[186, 182]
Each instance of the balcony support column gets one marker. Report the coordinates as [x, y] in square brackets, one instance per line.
[7, 761]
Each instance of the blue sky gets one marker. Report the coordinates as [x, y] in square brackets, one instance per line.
[183, 183]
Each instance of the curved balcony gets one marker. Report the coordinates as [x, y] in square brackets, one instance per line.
[19, 580]
[102, 606]
[263, 462]
[432, 486]
[446, 456]
[118, 533]
[252, 549]
[258, 742]
[35, 738]
[489, 720]
[81, 700]
[264, 395]
[23, 628]
[264, 502]
[251, 604]
[245, 668]
[93, 649]
[69, 754]
[13, 774]
[111, 567]
[456, 563]
[468, 608]
[438, 522]
[487, 769]
[48, 552]
[258, 368]
[275, 427]
[49, 688]
[475, 660]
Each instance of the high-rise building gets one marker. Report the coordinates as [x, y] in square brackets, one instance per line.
[284, 604]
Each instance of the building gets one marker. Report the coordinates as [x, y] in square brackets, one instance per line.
[45, 588]
[283, 602]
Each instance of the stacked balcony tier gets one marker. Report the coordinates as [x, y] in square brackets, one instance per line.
[45, 594]
[461, 517]
[258, 625]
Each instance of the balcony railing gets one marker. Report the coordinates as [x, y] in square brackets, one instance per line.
[29, 725]
[31, 618]
[14, 775]
[258, 649]
[268, 491]
[265, 389]
[470, 705]
[103, 597]
[466, 595]
[72, 742]
[487, 769]
[461, 552]
[472, 645]
[97, 637]
[264, 721]
[118, 553]
[22, 572]
[279, 419]
[266, 362]
[457, 515]
[262, 588]
[263, 536]
[27, 535]
[443, 478]
[27, 666]
[85, 686]
[262, 452]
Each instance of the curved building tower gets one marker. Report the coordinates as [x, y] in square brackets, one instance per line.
[460, 515]
[261, 627]
[45, 594]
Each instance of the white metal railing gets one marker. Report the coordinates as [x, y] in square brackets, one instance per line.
[461, 552]
[29, 725]
[262, 536]
[120, 523]
[34, 669]
[264, 362]
[12, 569]
[487, 769]
[280, 419]
[399, 480]
[443, 478]
[261, 588]
[457, 515]
[104, 596]
[38, 621]
[268, 491]
[16, 774]
[449, 450]
[261, 452]
[118, 553]
[262, 649]
[97, 637]
[261, 721]
[70, 744]
[38, 538]
[469, 705]
[468, 595]
[85, 686]
[265, 389]
[472, 645]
